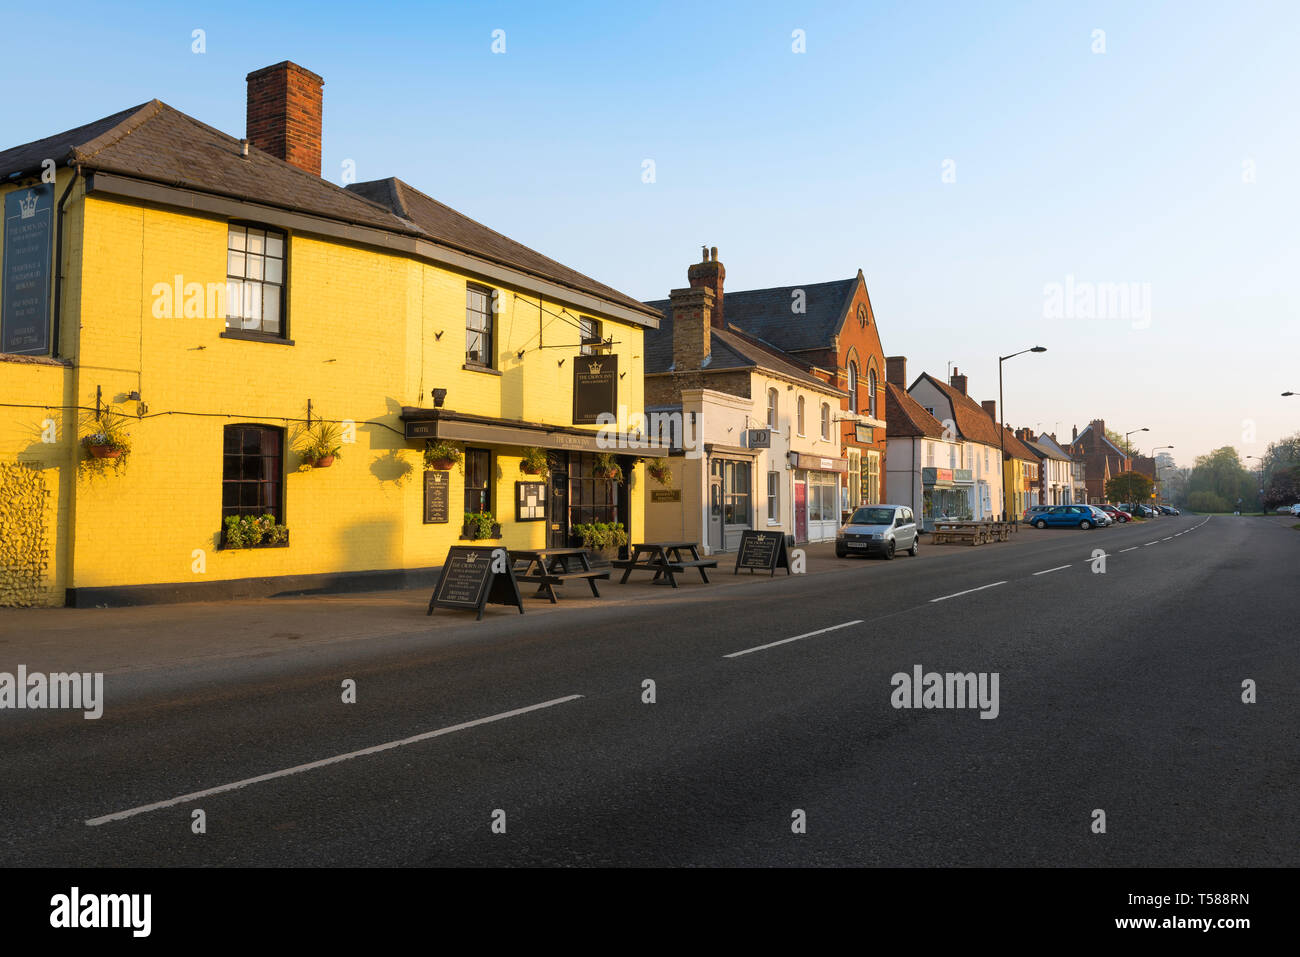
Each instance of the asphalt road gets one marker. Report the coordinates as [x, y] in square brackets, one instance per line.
[1118, 690]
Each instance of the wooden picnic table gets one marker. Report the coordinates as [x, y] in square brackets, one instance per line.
[548, 567]
[665, 560]
[976, 533]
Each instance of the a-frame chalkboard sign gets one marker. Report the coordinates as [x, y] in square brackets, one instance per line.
[762, 551]
[476, 576]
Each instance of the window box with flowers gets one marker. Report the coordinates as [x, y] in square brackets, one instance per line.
[252, 531]
[480, 526]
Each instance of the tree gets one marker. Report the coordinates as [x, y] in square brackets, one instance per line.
[1282, 454]
[1129, 487]
[1222, 475]
[1283, 488]
[1121, 443]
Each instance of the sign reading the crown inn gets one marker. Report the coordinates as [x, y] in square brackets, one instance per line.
[25, 322]
[595, 388]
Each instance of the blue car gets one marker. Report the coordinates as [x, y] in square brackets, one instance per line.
[1066, 516]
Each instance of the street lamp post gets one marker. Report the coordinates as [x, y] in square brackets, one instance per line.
[1127, 434]
[1261, 479]
[1002, 427]
[1158, 448]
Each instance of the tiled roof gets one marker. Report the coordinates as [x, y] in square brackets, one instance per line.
[160, 144]
[446, 226]
[973, 423]
[767, 314]
[1017, 449]
[729, 349]
[905, 416]
[1049, 449]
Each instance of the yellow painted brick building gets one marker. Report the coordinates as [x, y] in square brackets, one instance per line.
[296, 298]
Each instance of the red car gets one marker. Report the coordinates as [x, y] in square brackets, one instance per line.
[1115, 513]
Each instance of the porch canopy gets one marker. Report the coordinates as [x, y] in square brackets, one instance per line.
[447, 425]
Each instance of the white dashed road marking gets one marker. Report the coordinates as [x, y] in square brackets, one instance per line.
[966, 592]
[324, 762]
[1056, 569]
[786, 641]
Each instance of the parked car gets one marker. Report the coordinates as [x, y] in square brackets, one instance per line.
[1033, 510]
[1116, 513]
[1295, 510]
[880, 530]
[1103, 518]
[1066, 516]
[1168, 510]
[1138, 510]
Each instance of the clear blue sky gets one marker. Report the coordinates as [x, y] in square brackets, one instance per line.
[1122, 166]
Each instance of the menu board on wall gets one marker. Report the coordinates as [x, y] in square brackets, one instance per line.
[436, 498]
[28, 245]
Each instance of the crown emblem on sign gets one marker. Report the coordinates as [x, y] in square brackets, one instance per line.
[593, 368]
[28, 204]
[471, 557]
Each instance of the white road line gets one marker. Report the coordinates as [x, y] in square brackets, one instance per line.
[1150, 543]
[1056, 569]
[966, 592]
[1133, 549]
[144, 808]
[786, 641]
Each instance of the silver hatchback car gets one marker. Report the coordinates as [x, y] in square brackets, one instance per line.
[878, 530]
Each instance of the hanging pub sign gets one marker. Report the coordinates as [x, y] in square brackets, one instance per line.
[760, 438]
[763, 551]
[595, 388]
[436, 498]
[25, 321]
[474, 577]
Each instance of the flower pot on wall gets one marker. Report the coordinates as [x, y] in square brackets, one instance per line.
[105, 452]
[442, 465]
[324, 462]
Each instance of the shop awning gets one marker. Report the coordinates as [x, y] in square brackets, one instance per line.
[817, 463]
[448, 425]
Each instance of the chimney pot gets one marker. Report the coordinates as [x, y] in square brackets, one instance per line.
[692, 328]
[991, 407]
[957, 381]
[710, 275]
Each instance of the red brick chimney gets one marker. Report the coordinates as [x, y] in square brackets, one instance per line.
[284, 114]
[991, 407]
[957, 381]
[709, 274]
[692, 331]
[896, 370]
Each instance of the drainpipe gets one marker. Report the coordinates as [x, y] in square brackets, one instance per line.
[58, 258]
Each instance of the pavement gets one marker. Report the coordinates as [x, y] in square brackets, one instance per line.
[531, 740]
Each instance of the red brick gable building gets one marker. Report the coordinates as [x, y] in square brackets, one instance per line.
[1102, 459]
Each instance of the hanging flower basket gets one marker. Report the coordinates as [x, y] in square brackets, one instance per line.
[324, 462]
[105, 451]
[661, 473]
[534, 462]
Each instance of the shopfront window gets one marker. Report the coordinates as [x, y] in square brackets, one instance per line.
[736, 477]
[871, 480]
[823, 497]
[855, 478]
[591, 499]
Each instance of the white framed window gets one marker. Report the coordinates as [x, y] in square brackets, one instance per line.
[853, 387]
[929, 454]
[871, 481]
[871, 393]
[255, 280]
[773, 498]
[799, 415]
[826, 422]
[771, 409]
[855, 478]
